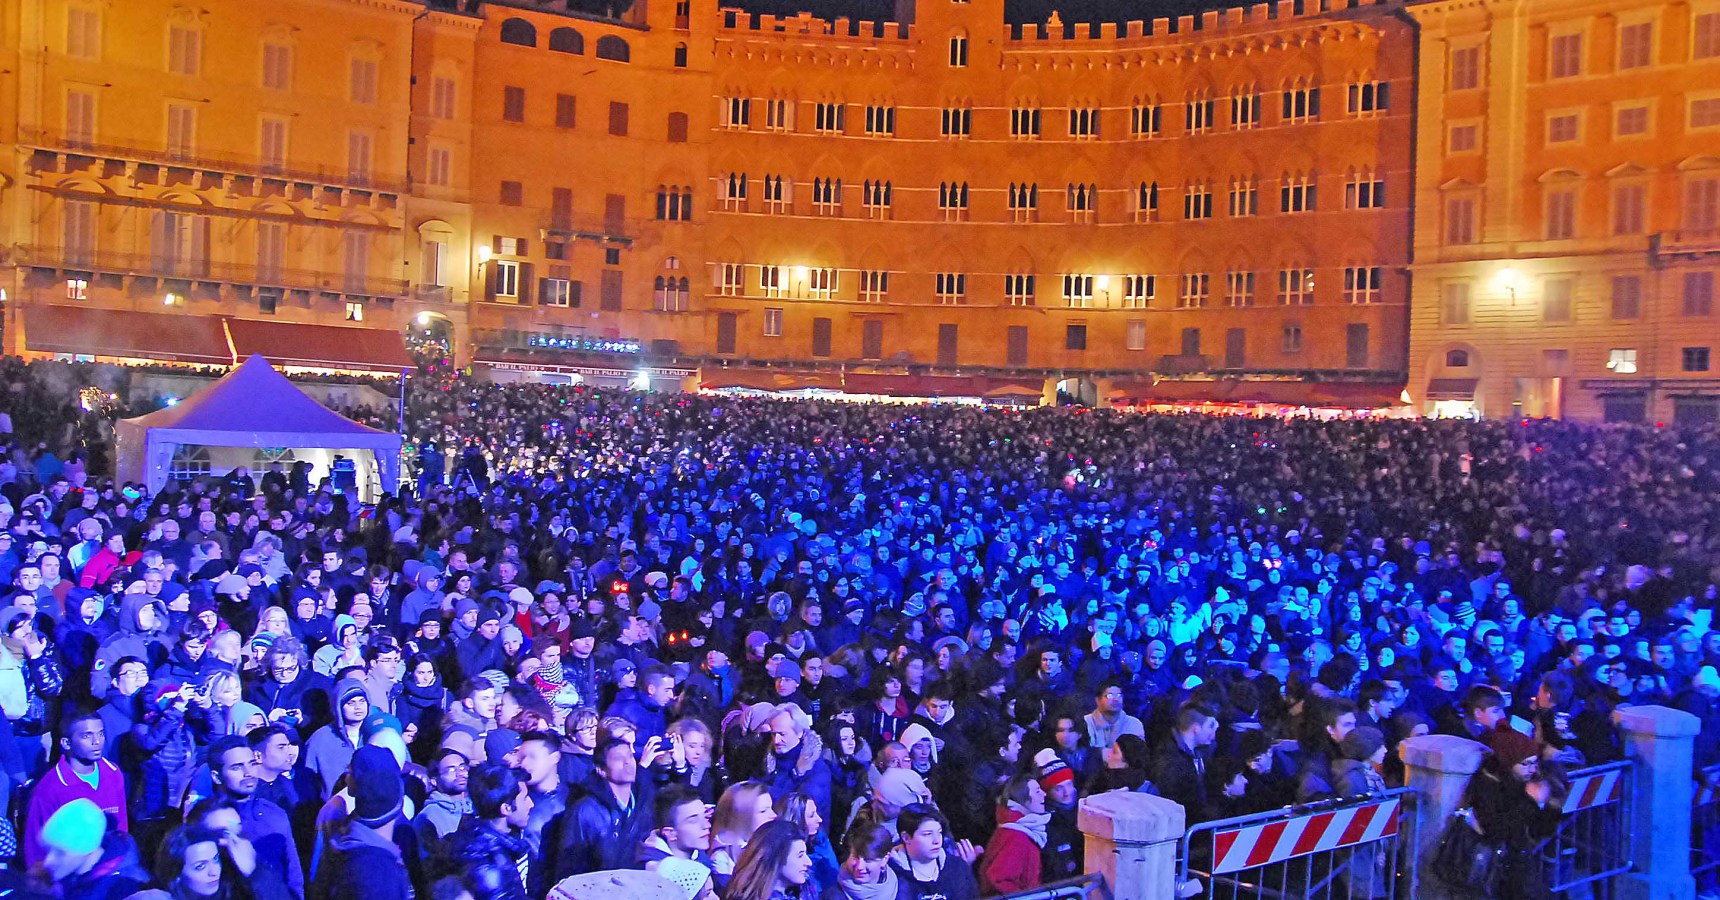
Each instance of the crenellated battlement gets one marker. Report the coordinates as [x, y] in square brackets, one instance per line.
[809, 26]
[1067, 35]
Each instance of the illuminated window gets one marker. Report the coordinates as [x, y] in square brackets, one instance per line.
[1296, 286]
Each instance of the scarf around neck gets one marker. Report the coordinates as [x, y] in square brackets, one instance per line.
[884, 888]
[1031, 824]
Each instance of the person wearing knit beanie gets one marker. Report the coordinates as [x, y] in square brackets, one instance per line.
[690, 876]
[1363, 743]
[1512, 747]
[1055, 777]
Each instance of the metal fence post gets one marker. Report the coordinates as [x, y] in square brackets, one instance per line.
[1132, 841]
[1661, 741]
[1438, 766]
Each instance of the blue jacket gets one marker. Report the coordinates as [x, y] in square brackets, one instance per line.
[650, 721]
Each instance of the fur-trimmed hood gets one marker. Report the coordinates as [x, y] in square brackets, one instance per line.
[811, 751]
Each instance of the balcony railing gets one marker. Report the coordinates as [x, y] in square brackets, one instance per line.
[232, 164]
[152, 266]
[1687, 240]
[604, 230]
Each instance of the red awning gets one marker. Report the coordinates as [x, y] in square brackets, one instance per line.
[320, 346]
[1346, 394]
[125, 334]
[769, 380]
[916, 385]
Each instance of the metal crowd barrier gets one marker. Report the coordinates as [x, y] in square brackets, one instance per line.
[1359, 849]
[1583, 859]
[1083, 887]
[1705, 832]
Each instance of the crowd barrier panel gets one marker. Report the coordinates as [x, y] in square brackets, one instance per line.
[1705, 832]
[1360, 849]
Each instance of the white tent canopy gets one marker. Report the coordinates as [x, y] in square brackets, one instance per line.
[252, 406]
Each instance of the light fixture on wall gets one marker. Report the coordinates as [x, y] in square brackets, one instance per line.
[1508, 282]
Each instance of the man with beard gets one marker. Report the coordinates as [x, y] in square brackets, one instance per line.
[233, 771]
[448, 802]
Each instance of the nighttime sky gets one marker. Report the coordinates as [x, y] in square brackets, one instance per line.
[1016, 11]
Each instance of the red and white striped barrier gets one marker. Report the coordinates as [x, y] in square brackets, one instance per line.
[1259, 845]
[1594, 790]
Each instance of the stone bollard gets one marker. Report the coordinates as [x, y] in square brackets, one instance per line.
[1661, 741]
[1438, 767]
[1132, 842]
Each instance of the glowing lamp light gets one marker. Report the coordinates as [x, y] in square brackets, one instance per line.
[1509, 279]
[1102, 282]
[170, 300]
[642, 380]
[173, 401]
[799, 273]
[483, 253]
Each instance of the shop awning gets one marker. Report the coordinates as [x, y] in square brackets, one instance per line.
[916, 385]
[1339, 394]
[320, 346]
[769, 380]
[1451, 388]
[125, 334]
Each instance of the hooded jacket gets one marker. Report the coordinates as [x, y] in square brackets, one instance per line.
[361, 865]
[130, 639]
[1013, 860]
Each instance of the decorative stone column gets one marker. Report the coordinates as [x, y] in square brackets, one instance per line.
[1132, 841]
[1661, 741]
[1438, 767]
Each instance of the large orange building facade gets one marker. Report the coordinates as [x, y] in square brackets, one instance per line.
[1567, 239]
[670, 191]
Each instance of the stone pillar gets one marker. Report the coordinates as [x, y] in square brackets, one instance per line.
[1438, 767]
[1661, 741]
[1132, 841]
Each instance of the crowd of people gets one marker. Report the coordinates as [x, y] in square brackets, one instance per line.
[772, 649]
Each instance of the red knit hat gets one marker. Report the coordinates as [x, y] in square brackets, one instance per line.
[1053, 771]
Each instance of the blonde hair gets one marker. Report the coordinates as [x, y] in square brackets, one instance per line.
[737, 812]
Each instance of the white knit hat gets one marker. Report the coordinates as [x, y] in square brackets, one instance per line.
[686, 874]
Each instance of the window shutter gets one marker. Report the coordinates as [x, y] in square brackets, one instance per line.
[543, 290]
[525, 297]
[490, 279]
